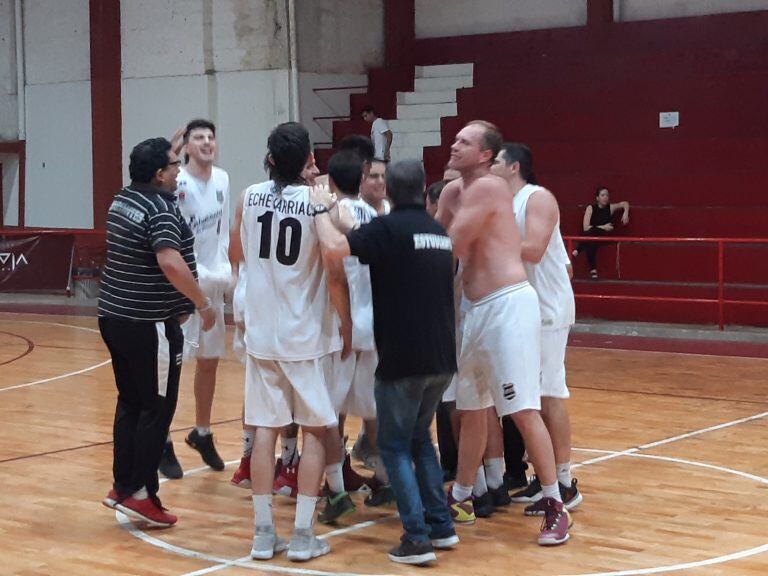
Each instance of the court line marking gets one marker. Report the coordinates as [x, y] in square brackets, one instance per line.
[697, 355]
[30, 347]
[221, 564]
[61, 376]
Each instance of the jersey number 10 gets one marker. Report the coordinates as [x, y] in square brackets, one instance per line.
[285, 254]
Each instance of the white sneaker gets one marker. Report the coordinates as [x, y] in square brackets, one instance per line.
[266, 543]
[305, 545]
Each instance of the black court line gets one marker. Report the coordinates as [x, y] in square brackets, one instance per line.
[95, 444]
[30, 347]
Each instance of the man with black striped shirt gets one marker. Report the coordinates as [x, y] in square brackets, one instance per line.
[148, 287]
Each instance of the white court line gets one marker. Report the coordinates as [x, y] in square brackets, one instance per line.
[51, 379]
[68, 374]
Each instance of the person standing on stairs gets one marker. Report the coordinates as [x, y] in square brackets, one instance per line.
[380, 134]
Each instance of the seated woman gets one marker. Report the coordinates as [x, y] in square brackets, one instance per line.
[598, 219]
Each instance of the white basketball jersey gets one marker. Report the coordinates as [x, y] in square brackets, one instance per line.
[205, 207]
[359, 280]
[288, 314]
[550, 276]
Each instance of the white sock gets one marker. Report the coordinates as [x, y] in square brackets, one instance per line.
[379, 472]
[290, 452]
[480, 486]
[551, 491]
[564, 474]
[494, 472]
[262, 509]
[248, 437]
[305, 511]
[203, 430]
[334, 477]
[460, 492]
[140, 494]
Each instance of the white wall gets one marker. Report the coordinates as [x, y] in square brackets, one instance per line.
[10, 164]
[325, 102]
[627, 10]
[9, 118]
[436, 18]
[225, 60]
[59, 190]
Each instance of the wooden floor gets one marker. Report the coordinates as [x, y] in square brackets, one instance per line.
[673, 453]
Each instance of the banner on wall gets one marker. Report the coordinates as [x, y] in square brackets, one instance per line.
[38, 262]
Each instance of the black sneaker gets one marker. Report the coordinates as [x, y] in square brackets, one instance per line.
[413, 553]
[500, 496]
[532, 493]
[169, 465]
[570, 494]
[515, 481]
[336, 506]
[204, 445]
[381, 494]
[484, 505]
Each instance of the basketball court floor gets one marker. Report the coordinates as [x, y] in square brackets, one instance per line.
[672, 452]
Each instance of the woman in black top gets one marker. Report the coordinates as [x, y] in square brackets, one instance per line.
[598, 222]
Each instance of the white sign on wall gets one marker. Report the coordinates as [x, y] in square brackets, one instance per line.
[669, 119]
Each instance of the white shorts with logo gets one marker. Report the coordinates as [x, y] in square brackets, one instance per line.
[553, 345]
[210, 344]
[357, 372]
[278, 393]
[500, 352]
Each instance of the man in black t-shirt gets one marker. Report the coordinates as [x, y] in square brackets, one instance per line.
[411, 266]
[148, 284]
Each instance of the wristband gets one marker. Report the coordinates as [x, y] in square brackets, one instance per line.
[207, 306]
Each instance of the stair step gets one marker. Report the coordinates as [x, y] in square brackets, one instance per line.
[444, 70]
[440, 83]
[414, 125]
[436, 97]
[426, 110]
[407, 153]
[409, 139]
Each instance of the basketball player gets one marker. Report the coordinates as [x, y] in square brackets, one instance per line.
[373, 188]
[203, 199]
[291, 332]
[546, 264]
[499, 363]
[353, 389]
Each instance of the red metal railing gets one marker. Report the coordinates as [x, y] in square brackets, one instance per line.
[720, 242]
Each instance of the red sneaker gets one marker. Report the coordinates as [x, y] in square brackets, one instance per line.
[150, 510]
[242, 476]
[112, 499]
[352, 480]
[287, 482]
[554, 526]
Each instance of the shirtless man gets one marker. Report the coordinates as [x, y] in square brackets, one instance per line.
[499, 363]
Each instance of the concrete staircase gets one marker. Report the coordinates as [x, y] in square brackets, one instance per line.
[419, 112]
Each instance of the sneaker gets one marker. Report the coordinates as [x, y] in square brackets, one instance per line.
[352, 480]
[500, 496]
[362, 448]
[445, 542]
[266, 543]
[381, 494]
[416, 553]
[150, 510]
[242, 476]
[483, 505]
[112, 499]
[169, 465]
[531, 493]
[463, 512]
[515, 481]
[287, 482]
[554, 526]
[204, 445]
[305, 545]
[336, 506]
[570, 495]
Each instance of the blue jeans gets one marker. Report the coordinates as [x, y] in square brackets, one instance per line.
[405, 409]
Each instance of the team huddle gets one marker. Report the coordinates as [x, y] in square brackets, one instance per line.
[299, 260]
